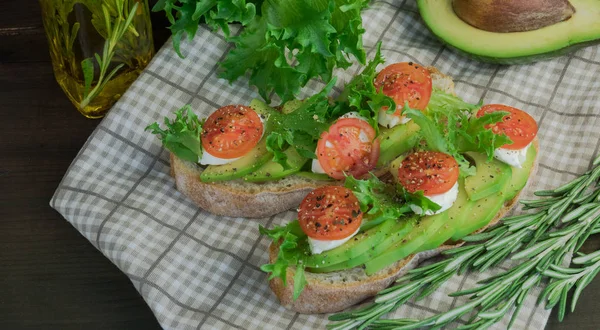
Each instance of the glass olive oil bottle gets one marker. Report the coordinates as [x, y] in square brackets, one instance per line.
[98, 48]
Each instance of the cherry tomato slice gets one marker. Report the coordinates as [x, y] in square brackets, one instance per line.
[349, 147]
[231, 131]
[405, 82]
[330, 213]
[430, 171]
[519, 126]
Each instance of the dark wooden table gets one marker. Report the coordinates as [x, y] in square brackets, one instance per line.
[50, 276]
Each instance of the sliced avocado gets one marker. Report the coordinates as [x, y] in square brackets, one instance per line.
[446, 231]
[261, 107]
[315, 176]
[491, 177]
[274, 171]
[520, 175]
[397, 140]
[423, 229]
[248, 163]
[582, 29]
[356, 246]
[291, 106]
[478, 214]
[394, 235]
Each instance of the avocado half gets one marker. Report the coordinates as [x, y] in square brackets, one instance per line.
[582, 29]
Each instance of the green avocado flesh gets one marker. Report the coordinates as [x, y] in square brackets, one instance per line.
[520, 175]
[400, 229]
[490, 178]
[455, 217]
[239, 168]
[396, 141]
[395, 240]
[424, 229]
[274, 171]
[582, 29]
[356, 246]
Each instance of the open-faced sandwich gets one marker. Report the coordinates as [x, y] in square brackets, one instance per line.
[463, 171]
[255, 161]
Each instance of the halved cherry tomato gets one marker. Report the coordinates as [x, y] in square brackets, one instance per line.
[349, 147]
[430, 171]
[330, 213]
[405, 82]
[231, 131]
[519, 126]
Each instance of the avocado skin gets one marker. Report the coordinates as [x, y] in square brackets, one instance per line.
[578, 40]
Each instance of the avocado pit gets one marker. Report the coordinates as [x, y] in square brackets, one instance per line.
[512, 15]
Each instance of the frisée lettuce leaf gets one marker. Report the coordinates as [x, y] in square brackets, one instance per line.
[182, 135]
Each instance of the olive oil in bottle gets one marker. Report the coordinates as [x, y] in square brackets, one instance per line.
[98, 48]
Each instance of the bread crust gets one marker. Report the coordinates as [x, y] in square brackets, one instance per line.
[320, 295]
[240, 199]
[258, 200]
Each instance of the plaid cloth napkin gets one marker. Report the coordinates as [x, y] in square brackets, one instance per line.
[197, 270]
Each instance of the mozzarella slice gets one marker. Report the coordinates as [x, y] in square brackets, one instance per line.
[512, 157]
[316, 167]
[445, 200]
[390, 120]
[208, 159]
[353, 114]
[318, 246]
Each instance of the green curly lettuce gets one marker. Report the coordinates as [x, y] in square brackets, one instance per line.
[182, 135]
[283, 44]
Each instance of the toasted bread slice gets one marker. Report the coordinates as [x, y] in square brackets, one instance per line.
[336, 291]
[238, 198]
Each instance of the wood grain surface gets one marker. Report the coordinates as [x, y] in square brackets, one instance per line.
[51, 277]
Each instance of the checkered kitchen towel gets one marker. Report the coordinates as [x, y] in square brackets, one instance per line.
[198, 270]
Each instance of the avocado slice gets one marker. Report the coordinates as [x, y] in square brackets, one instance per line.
[582, 29]
[274, 171]
[397, 140]
[478, 214]
[394, 235]
[491, 177]
[520, 176]
[315, 176]
[446, 231]
[421, 232]
[356, 246]
[248, 163]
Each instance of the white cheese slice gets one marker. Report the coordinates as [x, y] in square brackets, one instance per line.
[390, 120]
[445, 200]
[319, 246]
[512, 157]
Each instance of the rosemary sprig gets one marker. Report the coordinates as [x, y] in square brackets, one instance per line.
[115, 29]
[573, 208]
[564, 279]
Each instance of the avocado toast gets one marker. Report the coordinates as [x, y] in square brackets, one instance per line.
[343, 279]
[256, 186]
